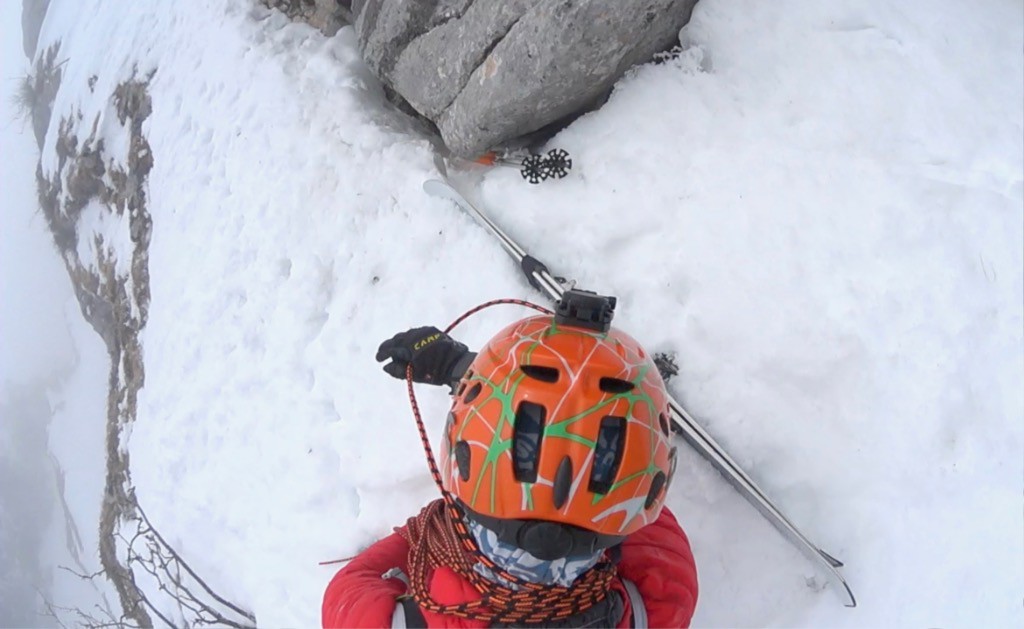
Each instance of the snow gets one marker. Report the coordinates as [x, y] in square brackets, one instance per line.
[817, 205]
[76, 448]
[104, 235]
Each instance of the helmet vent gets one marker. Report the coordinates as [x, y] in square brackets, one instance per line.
[526, 441]
[664, 423]
[462, 456]
[611, 443]
[563, 482]
[473, 392]
[615, 385]
[538, 372]
[656, 486]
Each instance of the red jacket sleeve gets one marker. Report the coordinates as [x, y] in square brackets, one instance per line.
[357, 596]
[658, 560]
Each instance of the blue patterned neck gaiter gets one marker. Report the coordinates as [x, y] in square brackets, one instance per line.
[522, 564]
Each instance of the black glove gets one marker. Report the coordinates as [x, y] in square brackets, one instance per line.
[436, 358]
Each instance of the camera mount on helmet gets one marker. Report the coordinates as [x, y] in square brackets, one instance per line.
[585, 309]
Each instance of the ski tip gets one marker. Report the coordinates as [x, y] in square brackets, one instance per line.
[852, 602]
[443, 190]
[835, 564]
[435, 187]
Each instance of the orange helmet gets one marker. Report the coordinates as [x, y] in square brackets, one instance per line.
[558, 438]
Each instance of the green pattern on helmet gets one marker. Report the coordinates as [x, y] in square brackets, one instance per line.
[498, 446]
[528, 494]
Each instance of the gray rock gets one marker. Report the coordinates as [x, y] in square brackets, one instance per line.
[430, 81]
[487, 71]
[386, 27]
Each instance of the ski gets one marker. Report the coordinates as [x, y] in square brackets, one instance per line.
[683, 423]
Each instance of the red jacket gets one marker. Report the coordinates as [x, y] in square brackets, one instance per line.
[656, 558]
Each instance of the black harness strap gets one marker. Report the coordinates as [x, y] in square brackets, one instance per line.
[413, 616]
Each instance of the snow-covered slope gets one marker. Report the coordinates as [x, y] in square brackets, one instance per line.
[818, 206]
